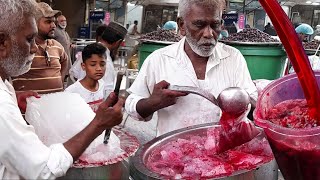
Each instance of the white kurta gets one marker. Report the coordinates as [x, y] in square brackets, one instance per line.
[22, 154]
[108, 78]
[225, 68]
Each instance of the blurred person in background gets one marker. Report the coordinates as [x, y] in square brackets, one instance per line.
[50, 64]
[304, 32]
[62, 36]
[112, 37]
[316, 34]
[99, 31]
[171, 25]
[133, 28]
[22, 154]
[224, 32]
[269, 29]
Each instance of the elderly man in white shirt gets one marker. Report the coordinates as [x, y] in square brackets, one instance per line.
[198, 60]
[22, 154]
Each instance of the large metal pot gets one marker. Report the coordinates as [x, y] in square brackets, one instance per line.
[138, 169]
[116, 169]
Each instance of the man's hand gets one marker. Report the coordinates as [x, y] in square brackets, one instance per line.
[109, 113]
[161, 97]
[22, 99]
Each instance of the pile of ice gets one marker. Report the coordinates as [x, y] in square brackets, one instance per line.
[58, 117]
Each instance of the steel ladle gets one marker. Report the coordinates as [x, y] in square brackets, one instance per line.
[233, 100]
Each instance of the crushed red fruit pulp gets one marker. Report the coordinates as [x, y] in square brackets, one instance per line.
[292, 114]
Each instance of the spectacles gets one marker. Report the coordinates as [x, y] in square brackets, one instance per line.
[47, 57]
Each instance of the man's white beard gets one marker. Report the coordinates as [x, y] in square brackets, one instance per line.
[17, 63]
[62, 26]
[197, 47]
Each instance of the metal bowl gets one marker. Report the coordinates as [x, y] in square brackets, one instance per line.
[138, 169]
[117, 168]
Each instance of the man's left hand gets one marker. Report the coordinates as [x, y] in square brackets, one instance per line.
[22, 99]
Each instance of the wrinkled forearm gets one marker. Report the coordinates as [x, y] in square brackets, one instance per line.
[145, 108]
[78, 144]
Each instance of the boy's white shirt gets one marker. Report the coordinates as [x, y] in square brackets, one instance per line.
[94, 99]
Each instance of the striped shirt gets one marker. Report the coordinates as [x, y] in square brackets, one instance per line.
[45, 77]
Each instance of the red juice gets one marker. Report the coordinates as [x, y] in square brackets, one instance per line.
[297, 157]
[298, 162]
[235, 130]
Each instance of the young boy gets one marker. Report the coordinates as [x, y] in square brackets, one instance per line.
[91, 87]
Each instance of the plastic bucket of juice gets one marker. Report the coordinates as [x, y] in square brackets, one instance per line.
[297, 151]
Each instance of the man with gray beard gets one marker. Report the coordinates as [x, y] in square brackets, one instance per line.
[50, 64]
[22, 154]
[198, 60]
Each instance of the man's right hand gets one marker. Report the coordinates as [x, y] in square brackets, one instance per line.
[160, 98]
[109, 113]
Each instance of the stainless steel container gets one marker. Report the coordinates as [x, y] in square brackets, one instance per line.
[138, 169]
[117, 170]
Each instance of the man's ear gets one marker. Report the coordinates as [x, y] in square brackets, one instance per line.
[181, 25]
[4, 44]
[83, 66]
[118, 43]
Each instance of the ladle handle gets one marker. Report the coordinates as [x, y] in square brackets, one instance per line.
[195, 90]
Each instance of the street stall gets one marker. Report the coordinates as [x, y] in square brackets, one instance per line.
[265, 56]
